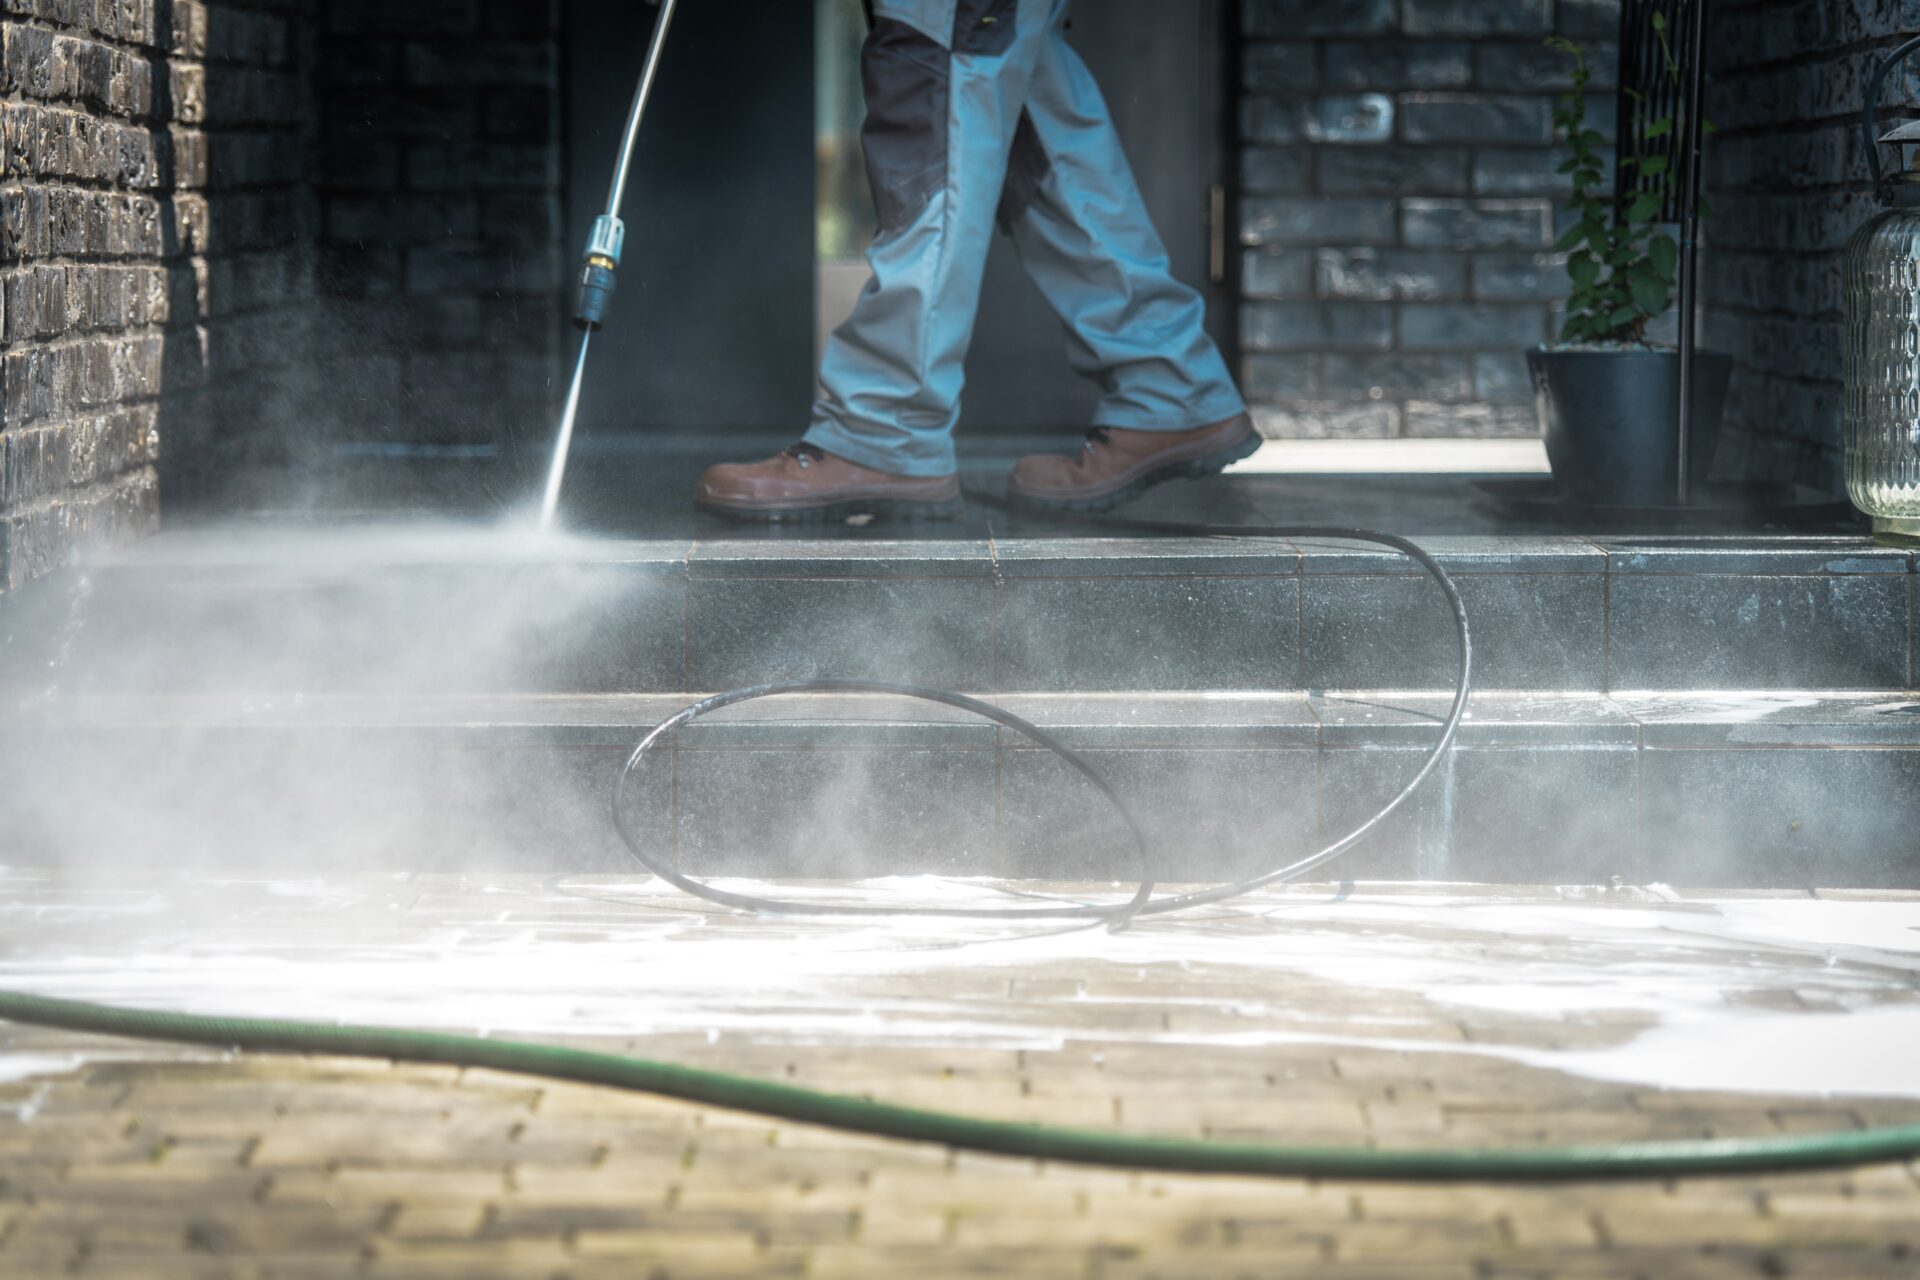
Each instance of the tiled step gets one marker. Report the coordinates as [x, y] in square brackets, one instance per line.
[375, 611]
[1763, 789]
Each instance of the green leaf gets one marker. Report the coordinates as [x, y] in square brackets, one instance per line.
[1583, 269]
[1654, 166]
[1664, 254]
[1569, 166]
[1594, 138]
[1623, 316]
[1659, 128]
[1644, 208]
[1649, 295]
[1659, 20]
[1574, 236]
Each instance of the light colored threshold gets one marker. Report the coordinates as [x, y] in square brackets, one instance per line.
[1397, 457]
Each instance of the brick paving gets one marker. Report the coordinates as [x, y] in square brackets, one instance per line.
[129, 1160]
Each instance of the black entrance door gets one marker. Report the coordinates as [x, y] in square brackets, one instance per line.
[712, 329]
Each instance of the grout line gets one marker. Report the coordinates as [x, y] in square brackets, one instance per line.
[997, 584]
[1913, 622]
[1642, 853]
[1606, 625]
[686, 614]
[673, 802]
[1300, 631]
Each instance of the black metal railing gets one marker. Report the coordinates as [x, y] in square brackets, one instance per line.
[1663, 77]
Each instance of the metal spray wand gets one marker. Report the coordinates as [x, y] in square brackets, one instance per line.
[597, 270]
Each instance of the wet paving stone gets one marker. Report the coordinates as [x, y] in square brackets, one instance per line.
[1387, 1015]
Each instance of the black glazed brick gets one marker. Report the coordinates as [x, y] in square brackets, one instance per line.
[921, 631]
[835, 814]
[468, 629]
[1784, 818]
[1548, 815]
[1530, 631]
[1209, 816]
[1184, 632]
[1700, 631]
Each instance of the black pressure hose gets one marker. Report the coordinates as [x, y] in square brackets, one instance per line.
[1142, 902]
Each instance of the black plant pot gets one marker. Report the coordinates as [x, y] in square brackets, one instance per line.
[1611, 421]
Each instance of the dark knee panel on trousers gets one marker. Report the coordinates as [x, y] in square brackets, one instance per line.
[907, 76]
[985, 26]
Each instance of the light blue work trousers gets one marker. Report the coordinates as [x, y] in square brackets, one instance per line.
[980, 113]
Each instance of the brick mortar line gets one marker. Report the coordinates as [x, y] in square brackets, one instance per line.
[79, 337]
[26, 266]
[169, 262]
[34, 22]
[1819, 58]
[147, 51]
[1772, 315]
[1788, 193]
[99, 484]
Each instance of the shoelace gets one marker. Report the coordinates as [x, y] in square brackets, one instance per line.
[805, 454]
[1097, 435]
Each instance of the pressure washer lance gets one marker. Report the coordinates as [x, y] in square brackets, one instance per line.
[599, 264]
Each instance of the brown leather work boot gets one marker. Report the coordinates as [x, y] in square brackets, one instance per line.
[808, 483]
[1117, 465]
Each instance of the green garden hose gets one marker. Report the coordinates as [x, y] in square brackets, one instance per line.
[1707, 1156]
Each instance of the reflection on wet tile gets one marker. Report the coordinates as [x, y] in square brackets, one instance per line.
[1096, 557]
[1772, 719]
[1195, 720]
[1458, 554]
[835, 558]
[1749, 555]
[1491, 720]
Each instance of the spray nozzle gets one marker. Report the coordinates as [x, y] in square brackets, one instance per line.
[596, 272]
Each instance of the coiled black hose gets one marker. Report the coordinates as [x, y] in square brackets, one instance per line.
[1142, 902]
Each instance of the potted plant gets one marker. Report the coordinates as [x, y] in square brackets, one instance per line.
[1607, 396]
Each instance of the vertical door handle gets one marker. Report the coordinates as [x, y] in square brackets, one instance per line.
[1217, 233]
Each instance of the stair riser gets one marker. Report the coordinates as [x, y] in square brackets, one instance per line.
[956, 801]
[608, 628]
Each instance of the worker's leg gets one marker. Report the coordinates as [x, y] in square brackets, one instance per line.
[945, 83]
[1084, 236]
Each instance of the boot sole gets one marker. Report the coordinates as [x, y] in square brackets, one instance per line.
[1200, 468]
[907, 509]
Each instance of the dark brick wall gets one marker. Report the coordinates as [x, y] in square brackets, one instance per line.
[440, 199]
[151, 209]
[1788, 185]
[238, 234]
[1397, 177]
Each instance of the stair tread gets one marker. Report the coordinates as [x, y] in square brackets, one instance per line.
[1736, 717]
